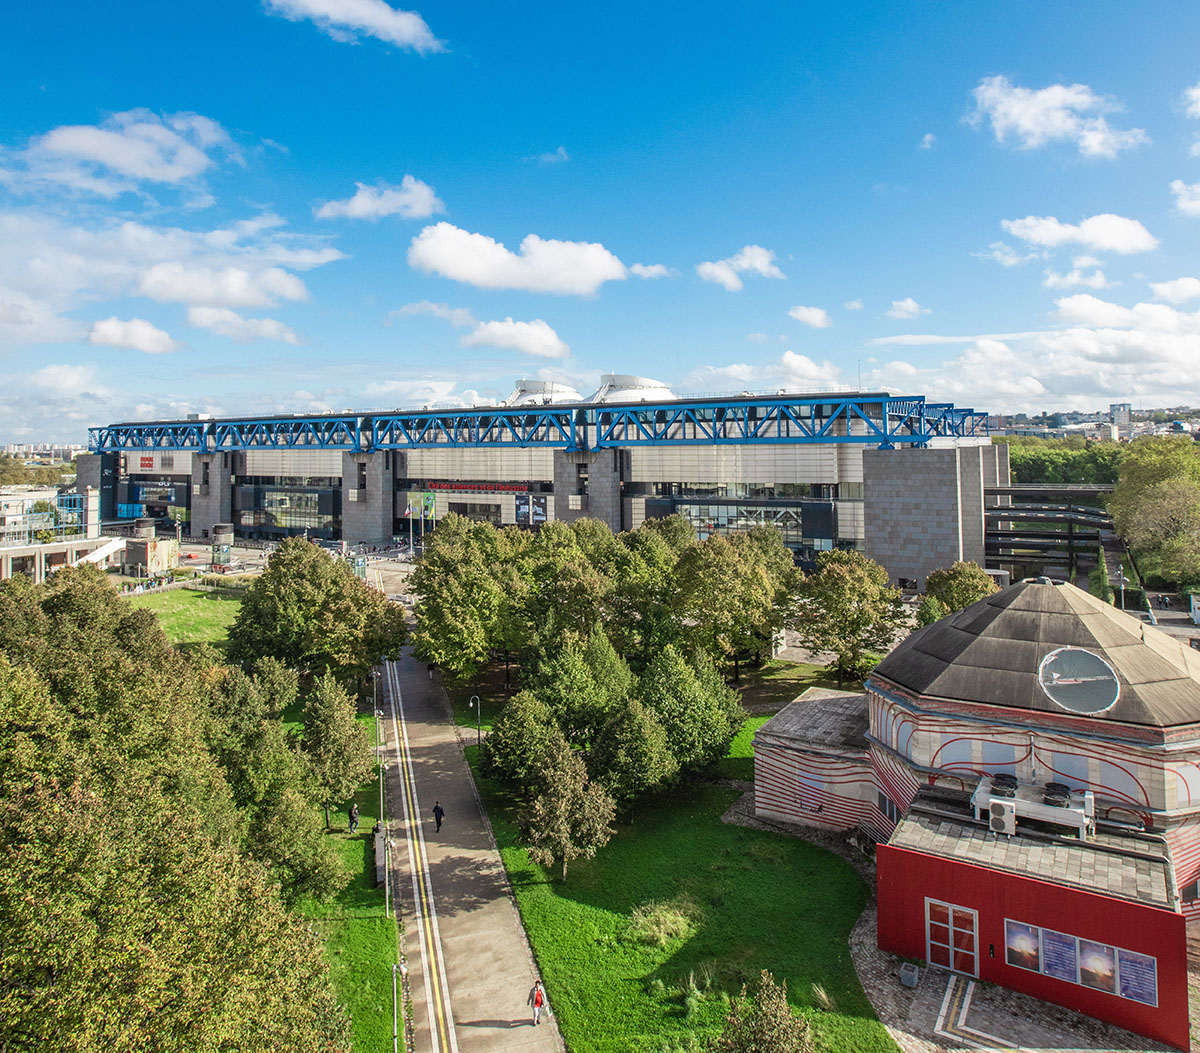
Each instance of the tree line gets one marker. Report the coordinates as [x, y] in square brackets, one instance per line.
[157, 818]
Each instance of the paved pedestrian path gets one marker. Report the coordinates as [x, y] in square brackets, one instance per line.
[453, 893]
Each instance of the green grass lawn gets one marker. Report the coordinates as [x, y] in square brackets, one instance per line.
[749, 901]
[189, 617]
[775, 683]
[739, 763]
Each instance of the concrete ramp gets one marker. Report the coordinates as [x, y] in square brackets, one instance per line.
[97, 555]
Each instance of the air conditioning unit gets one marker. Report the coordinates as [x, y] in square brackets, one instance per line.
[1002, 817]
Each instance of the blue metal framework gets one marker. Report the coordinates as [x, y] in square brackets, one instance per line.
[879, 419]
[535, 426]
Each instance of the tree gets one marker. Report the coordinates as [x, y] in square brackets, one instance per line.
[959, 585]
[765, 1024]
[519, 739]
[930, 609]
[847, 607]
[309, 610]
[568, 817]
[632, 754]
[582, 684]
[337, 746]
[698, 711]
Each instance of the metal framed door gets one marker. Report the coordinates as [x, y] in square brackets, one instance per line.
[952, 937]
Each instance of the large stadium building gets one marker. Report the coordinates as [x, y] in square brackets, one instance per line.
[896, 476]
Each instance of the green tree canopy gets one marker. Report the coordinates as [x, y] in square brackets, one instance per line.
[959, 585]
[632, 754]
[848, 608]
[336, 745]
[310, 611]
[569, 817]
[698, 711]
[519, 739]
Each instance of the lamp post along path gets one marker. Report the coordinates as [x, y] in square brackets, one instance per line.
[474, 703]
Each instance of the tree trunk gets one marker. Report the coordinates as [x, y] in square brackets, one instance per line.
[564, 876]
[736, 669]
[326, 817]
[839, 673]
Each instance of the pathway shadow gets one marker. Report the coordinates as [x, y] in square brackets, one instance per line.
[524, 1022]
[463, 883]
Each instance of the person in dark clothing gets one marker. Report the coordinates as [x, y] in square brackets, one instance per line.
[438, 813]
[353, 817]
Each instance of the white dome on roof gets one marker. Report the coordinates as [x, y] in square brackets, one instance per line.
[541, 393]
[621, 387]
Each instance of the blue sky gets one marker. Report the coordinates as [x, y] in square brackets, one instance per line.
[302, 205]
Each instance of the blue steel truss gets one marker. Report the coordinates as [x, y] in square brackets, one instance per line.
[540, 426]
[878, 419]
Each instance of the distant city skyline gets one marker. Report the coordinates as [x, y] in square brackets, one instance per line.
[312, 205]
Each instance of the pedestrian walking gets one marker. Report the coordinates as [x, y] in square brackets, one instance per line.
[537, 1001]
[439, 813]
[353, 817]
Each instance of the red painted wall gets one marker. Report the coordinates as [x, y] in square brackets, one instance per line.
[905, 878]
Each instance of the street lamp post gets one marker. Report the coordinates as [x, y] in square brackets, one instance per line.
[1122, 581]
[395, 1014]
[474, 703]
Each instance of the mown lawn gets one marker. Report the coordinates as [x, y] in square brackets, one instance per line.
[750, 901]
[739, 763]
[190, 617]
[360, 940]
[775, 683]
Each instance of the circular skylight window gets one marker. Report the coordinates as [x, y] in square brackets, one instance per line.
[1079, 681]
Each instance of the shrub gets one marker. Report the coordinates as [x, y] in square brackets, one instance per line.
[658, 924]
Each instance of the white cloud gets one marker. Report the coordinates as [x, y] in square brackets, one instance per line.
[1060, 113]
[1102, 233]
[1005, 255]
[1179, 290]
[228, 287]
[752, 259]
[65, 380]
[530, 338]
[123, 151]
[238, 328]
[135, 333]
[853, 305]
[344, 20]
[1095, 280]
[1187, 197]
[553, 157]
[907, 308]
[791, 372]
[817, 317]
[756, 338]
[459, 317]
[412, 199]
[569, 268]
[1191, 97]
[650, 270]
[928, 140]
[1084, 262]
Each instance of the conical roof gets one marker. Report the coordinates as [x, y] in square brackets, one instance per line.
[992, 653]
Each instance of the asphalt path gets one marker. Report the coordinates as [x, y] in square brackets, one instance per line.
[470, 967]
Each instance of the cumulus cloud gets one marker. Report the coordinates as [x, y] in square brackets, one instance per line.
[853, 305]
[650, 270]
[530, 338]
[928, 140]
[817, 317]
[1005, 255]
[1076, 276]
[1102, 233]
[1070, 113]
[459, 317]
[907, 308]
[752, 259]
[123, 152]
[135, 333]
[346, 20]
[1187, 197]
[238, 328]
[227, 287]
[790, 372]
[1179, 290]
[568, 268]
[412, 199]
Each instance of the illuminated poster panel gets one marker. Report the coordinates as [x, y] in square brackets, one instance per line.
[1113, 970]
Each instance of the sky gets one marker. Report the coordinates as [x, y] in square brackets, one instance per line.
[316, 205]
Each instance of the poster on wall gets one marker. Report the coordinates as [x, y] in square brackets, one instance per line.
[522, 510]
[1097, 966]
[1139, 977]
[1021, 946]
[537, 510]
[1060, 957]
